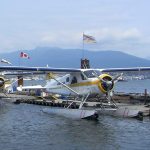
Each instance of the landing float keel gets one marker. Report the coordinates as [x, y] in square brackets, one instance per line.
[72, 113]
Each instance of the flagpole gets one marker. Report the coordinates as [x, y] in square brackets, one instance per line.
[83, 46]
[19, 59]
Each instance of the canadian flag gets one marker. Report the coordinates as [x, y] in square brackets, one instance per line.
[24, 55]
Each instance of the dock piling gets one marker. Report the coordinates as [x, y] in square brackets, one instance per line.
[145, 96]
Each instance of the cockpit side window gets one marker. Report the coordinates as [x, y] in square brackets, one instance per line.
[74, 80]
[67, 79]
[83, 77]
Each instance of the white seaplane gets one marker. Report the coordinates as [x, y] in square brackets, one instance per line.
[78, 82]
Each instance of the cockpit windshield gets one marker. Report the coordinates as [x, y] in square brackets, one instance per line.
[91, 73]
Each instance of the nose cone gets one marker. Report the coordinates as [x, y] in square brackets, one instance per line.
[106, 84]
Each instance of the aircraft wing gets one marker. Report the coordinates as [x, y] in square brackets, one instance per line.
[37, 69]
[125, 69]
[44, 70]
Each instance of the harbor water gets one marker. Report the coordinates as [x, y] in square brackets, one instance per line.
[26, 127]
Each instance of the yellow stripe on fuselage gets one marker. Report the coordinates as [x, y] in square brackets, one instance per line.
[89, 83]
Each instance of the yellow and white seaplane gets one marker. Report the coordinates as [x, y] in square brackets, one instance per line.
[78, 82]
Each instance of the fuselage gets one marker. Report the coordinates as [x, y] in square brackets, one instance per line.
[81, 83]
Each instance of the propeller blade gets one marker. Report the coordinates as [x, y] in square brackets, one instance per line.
[116, 77]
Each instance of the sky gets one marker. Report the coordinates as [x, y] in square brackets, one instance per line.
[122, 25]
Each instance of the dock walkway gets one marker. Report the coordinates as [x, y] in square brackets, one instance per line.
[17, 99]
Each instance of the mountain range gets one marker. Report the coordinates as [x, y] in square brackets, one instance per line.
[70, 58]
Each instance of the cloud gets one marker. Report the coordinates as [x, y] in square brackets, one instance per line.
[130, 40]
[116, 34]
[105, 34]
[105, 37]
[61, 38]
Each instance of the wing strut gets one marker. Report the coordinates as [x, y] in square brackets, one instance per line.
[84, 97]
[51, 76]
[83, 100]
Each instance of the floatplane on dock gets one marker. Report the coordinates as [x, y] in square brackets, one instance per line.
[80, 83]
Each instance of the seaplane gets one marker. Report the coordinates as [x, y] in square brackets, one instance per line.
[76, 82]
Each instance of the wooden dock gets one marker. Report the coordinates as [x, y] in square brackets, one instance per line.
[128, 101]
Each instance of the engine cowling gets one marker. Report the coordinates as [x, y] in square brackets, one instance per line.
[106, 83]
[2, 82]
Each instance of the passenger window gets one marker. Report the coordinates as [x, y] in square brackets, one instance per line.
[74, 80]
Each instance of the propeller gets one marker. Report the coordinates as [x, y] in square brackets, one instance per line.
[2, 82]
[108, 83]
